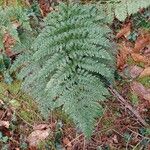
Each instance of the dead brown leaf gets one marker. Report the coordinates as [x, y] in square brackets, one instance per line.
[147, 96]
[45, 7]
[66, 141]
[38, 135]
[124, 51]
[32, 148]
[8, 43]
[135, 71]
[146, 52]
[140, 90]
[125, 31]
[120, 61]
[115, 139]
[139, 58]
[2, 112]
[145, 72]
[4, 124]
[40, 127]
[141, 43]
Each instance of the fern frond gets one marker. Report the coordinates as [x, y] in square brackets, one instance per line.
[70, 56]
[121, 9]
[8, 16]
[23, 49]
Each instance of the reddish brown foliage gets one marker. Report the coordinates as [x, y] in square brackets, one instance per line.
[45, 7]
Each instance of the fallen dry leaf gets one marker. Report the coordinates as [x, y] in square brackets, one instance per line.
[124, 51]
[139, 58]
[2, 112]
[32, 148]
[146, 52]
[141, 43]
[37, 136]
[121, 61]
[140, 90]
[40, 127]
[4, 124]
[147, 96]
[8, 43]
[115, 139]
[135, 71]
[66, 141]
[145, 72]
[45, 7]
[125, 31]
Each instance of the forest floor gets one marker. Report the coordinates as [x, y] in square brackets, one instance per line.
[22, 127]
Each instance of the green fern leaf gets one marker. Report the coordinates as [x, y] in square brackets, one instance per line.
[70, 56]
[121, 9]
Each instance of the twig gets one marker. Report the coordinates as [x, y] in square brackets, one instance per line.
[134, 148]
[127, 144]
[127, 105]
[4, 114]
[145, 137]
[24, 120]
[84, 144]
[74, 140]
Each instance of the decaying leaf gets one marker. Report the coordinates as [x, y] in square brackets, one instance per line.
[45, 7]
[135, 71]
[4, 124]
[32, 148]
[124, 51]
[145, 72]
[141, 42]
[125, 31]
[66, 141]
[140, 90]
[147, 51]
[37, 136]
[115, 139]
[139, 58]
[147, 96]
[2, 112]
[8, 43]
[40, 127]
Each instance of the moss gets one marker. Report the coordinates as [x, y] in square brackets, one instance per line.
[145, 81]
[28, 116]
[28, 110]
[25, 107]
[46, 144]
[2, 88]
[134, 98]
[107, 123]
[130, 61]
[15, 103]
[14, 88]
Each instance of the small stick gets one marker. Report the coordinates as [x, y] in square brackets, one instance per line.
[127, 105]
